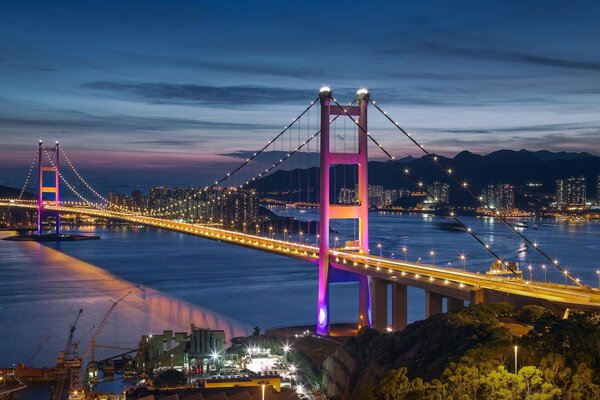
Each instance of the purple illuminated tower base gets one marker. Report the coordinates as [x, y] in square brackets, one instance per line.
[328, 211]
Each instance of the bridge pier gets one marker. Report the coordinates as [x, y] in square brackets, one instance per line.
[455, 304]
[380, 307]
[433, 303]
[399, 306]
[379, 292]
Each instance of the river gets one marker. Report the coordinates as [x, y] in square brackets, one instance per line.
[177, 279]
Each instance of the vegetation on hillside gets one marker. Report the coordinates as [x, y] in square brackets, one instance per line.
[469, 355]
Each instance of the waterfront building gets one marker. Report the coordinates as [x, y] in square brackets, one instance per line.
[378, 196]
[500, 196]
[571, 192]
[440, 192]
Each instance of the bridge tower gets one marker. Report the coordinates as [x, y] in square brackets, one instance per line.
[328, 211]
[54, 188]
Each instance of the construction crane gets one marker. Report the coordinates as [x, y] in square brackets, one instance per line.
[70, 364]
[92, 366]
[37, 350]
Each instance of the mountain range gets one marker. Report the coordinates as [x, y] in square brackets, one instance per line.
[504, 166]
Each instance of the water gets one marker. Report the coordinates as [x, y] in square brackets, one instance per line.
[177, 279]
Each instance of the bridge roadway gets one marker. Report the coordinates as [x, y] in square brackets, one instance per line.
[447, 282]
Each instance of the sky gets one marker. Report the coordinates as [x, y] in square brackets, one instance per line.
[174, 91]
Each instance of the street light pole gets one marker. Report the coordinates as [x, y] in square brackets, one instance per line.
[544, 268]
[516, 351]
[598, 273]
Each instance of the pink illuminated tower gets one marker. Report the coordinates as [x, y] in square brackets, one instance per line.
[54, 189]
[330, 211]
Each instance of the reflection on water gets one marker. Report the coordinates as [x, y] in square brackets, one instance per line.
[57, 284]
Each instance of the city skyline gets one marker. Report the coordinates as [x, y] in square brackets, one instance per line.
[177, 91]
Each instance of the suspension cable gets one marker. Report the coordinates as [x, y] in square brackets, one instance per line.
[469, 230]
[35, 156]
[464, 185]
[246, 162]
[71, 187]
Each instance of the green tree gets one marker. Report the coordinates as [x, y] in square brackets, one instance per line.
[395, 385]
[582, 386]
[501, 309]
[463, 381]
[530, 313]
[500, 385]
[555, 370]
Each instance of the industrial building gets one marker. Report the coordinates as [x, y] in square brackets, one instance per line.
[180, 350]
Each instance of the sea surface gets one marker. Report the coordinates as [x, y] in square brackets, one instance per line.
[176, 280]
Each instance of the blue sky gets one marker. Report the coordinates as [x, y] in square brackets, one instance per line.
[166, 91]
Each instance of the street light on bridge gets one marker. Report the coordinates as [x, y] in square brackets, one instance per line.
[462, 257]
[544, 268]
[598, 273]
[405, 251]
[432, 254]
[380, 247]
[530, 268]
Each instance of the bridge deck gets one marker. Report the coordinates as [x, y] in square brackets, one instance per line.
[447, 280]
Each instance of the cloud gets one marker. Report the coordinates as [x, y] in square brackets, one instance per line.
[206, 95]
[128, 123]
[513, 56]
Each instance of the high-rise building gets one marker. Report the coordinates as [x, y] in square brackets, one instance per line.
[348, 196]
[571, 192]
[440, 192]
[501, 196]
[378, 196]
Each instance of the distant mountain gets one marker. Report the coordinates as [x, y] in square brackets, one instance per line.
[546, 155]
[13, 193]
[503, 166]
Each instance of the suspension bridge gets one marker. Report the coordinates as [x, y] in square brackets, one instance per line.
[352, 262]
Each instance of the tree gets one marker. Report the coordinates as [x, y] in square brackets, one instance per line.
[582, 386]
[555, 370]
[501, 309]
[463, 381]
[530, 313]
[501, 385]
[395, 385]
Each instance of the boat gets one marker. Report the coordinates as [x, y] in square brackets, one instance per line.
[522, 224]
[523, 248]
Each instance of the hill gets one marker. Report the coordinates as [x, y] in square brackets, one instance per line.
[503, 166]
